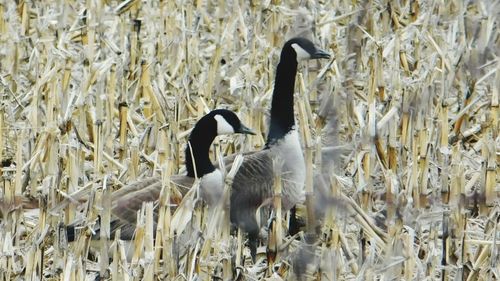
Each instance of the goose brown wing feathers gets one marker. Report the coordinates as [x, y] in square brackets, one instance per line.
[252, 185]
[130, 201]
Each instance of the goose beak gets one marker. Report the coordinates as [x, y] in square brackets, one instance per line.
[320, 54]
[245, 130]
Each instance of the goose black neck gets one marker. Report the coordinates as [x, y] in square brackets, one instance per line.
[200, 140]
[282, 114]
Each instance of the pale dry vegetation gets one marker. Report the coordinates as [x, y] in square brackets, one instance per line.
[97, 94]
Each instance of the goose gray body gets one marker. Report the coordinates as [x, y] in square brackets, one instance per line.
[130, 200]
[255, 178]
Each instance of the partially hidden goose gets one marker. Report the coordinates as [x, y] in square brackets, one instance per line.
[128, 200]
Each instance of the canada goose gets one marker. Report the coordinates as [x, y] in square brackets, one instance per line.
[253, 183]
[128, 200]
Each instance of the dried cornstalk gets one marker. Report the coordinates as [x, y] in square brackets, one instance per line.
[276, 231]
[309, 147]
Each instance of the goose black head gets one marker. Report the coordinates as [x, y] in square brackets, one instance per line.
[304, 49]
[227, 122]
[217, 122]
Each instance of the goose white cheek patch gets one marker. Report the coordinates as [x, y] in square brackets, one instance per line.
[223, 127]
[301, 53]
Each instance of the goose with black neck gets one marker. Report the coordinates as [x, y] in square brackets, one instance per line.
[253, 184]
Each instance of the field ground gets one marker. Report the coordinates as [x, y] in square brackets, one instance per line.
[401, 124]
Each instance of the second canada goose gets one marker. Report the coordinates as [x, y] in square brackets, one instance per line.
[253, 183]
[128, 200]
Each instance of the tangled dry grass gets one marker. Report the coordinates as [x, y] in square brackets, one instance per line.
[401, 125]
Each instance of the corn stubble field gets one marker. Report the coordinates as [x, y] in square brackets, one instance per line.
[401, 124]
